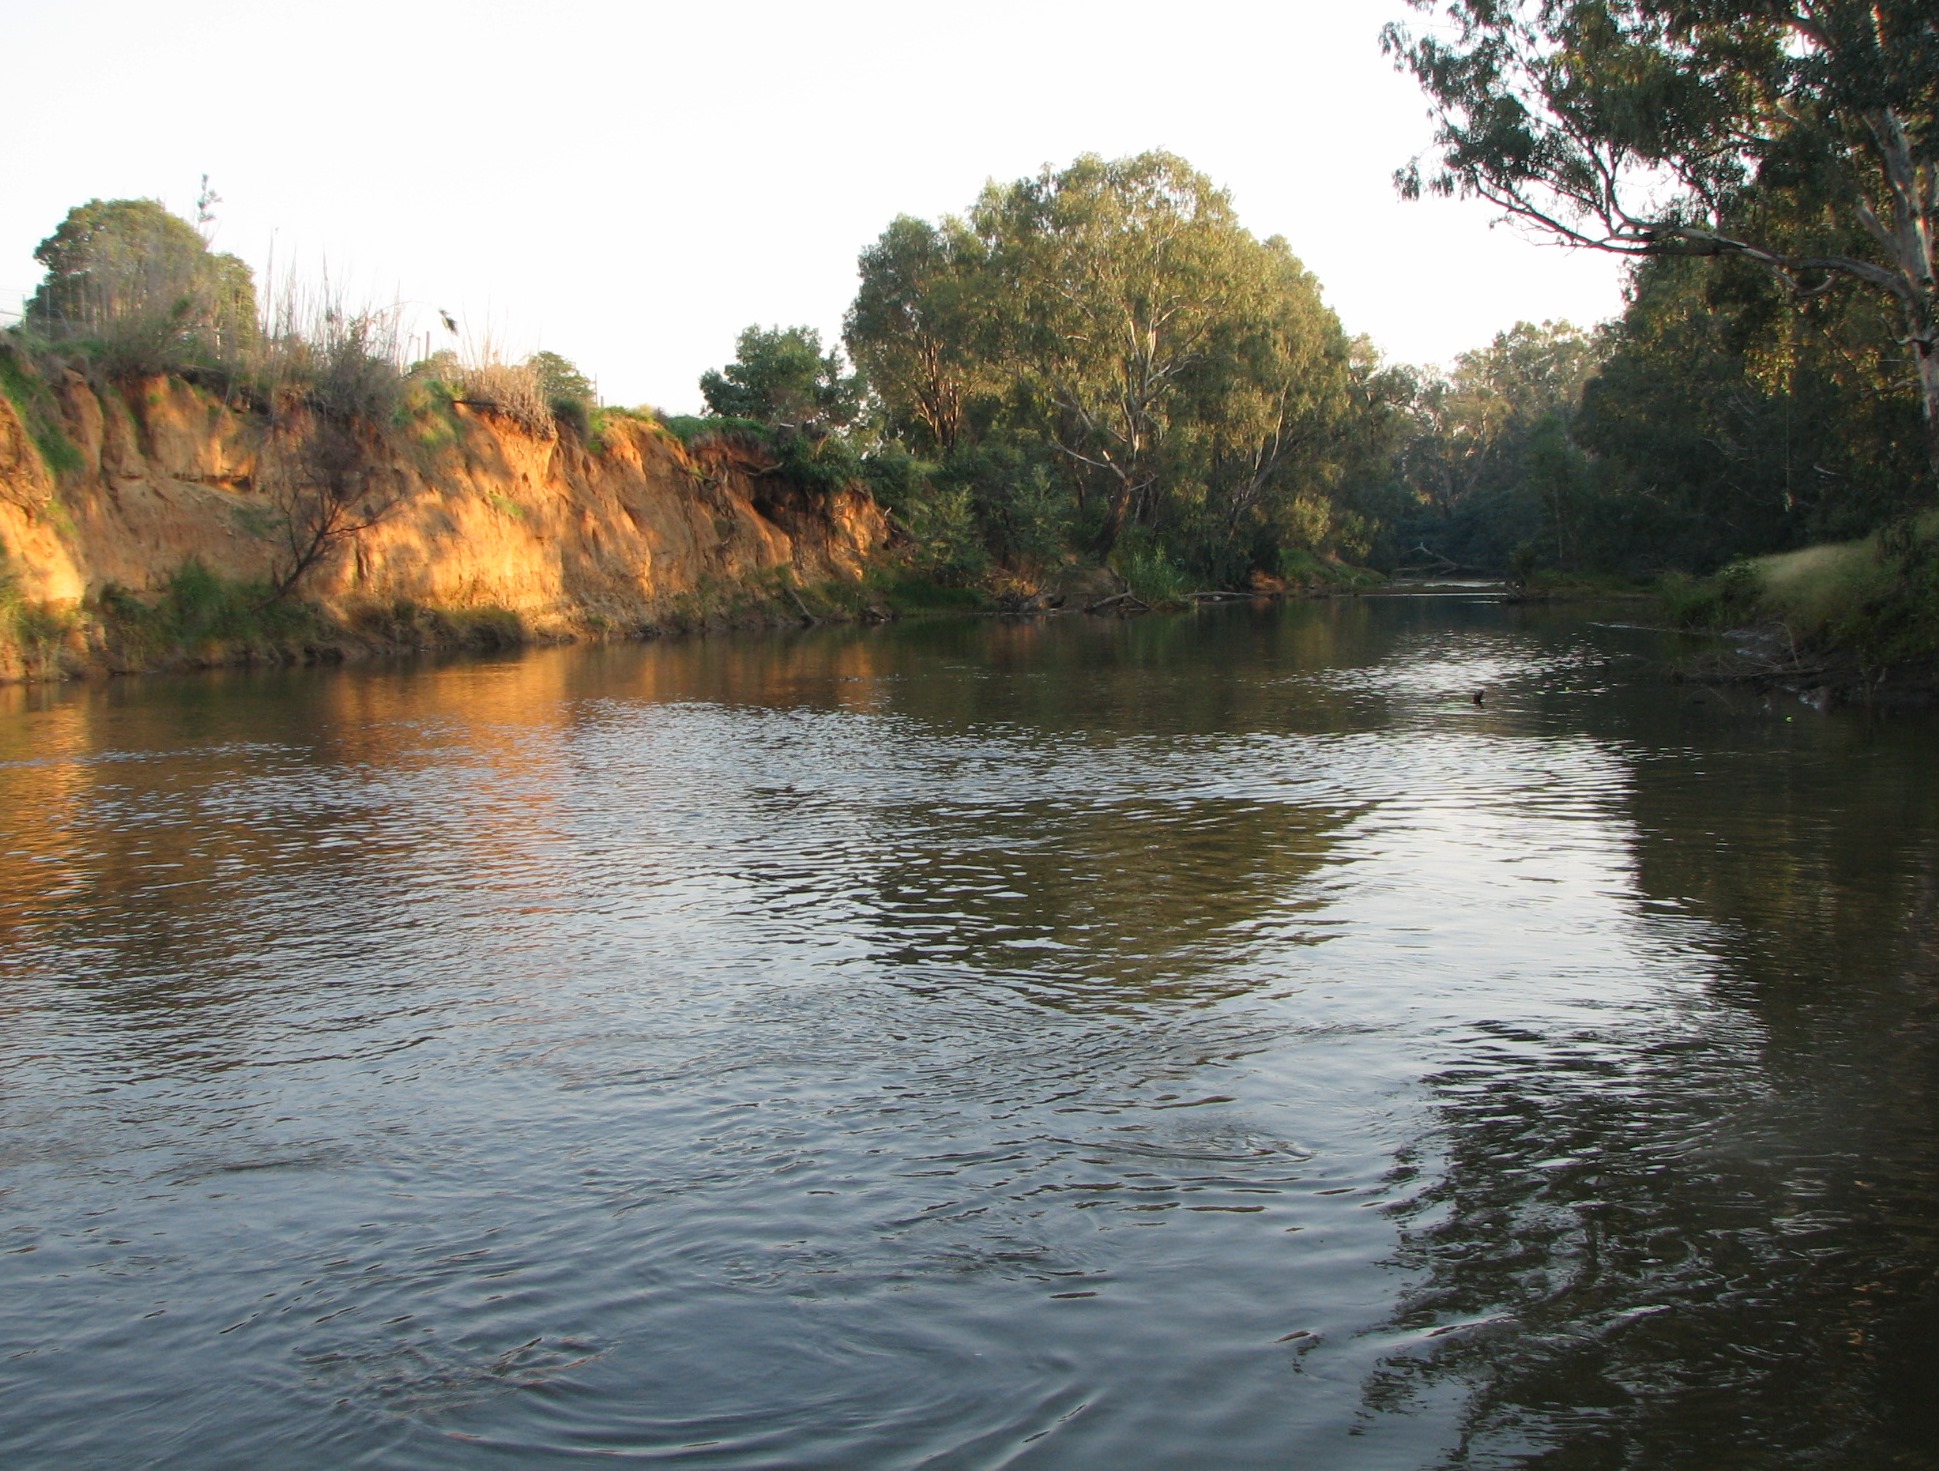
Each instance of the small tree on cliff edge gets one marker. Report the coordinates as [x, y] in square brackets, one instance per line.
[781, 376]
[327, 486]
[1802, 135]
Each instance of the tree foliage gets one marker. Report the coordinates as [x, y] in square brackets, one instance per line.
[1725, 423]
[560, 380]
[128, 274]
[1104, 355]
[1715, 420]
[1116, 279]
[1487, 454]
[915, 326]
[1798, 135]
[780, 376]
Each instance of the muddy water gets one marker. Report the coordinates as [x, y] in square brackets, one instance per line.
[1209, 1042]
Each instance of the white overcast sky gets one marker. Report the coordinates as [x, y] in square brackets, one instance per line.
[630, 184]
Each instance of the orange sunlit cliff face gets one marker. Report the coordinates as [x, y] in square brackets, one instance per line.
[477, 514]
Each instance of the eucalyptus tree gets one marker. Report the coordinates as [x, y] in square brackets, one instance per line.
[1108, 284]
[914, 329]
[1105, 348]
[1486, 441]
[1724, 424]
[1801, 135]
[1273, 415]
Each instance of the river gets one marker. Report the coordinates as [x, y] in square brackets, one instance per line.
[1213, 1041]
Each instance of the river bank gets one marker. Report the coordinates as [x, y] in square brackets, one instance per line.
[154, 523]
[1854, 622]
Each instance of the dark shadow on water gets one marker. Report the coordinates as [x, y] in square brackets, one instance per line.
[1707, 1235]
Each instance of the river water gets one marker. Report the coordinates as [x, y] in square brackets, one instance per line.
[1199, 1042]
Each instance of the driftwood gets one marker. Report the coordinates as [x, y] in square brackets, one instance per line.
[1436, 564]
[1031, 605]
[1130, 602]
[1737, 667]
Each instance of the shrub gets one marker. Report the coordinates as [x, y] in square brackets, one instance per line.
[37, 632]
[1728, 598]
[817, 462]
[1898, 622]
[513, 391]
[574, 415]
[202, 616]
[942, 523]
[895, 477]
[1522, 561]
[1149, 570]
[697, 431]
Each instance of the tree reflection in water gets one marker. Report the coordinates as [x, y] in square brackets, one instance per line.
[1706, 1235]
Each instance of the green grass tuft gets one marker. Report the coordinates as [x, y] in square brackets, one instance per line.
[35, 636]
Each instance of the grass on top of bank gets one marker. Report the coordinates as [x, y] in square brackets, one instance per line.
[1873, 601]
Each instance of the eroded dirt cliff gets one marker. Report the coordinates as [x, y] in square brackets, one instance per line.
[109, 490]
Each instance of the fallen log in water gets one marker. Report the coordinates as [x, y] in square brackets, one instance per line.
[1124, 602]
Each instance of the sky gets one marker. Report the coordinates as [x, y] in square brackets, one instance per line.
[631, 184]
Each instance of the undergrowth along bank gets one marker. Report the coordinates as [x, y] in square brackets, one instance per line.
[200, 619]
[1859, 617]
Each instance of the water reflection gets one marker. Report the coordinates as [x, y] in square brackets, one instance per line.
[1702, 1232]
[1210, 1042]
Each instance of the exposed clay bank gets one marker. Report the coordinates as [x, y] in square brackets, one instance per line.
[108, 491]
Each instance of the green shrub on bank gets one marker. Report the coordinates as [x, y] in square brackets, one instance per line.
[902, 594]
[1897, 623]
[201, 617]
[697, 430]
[407, 623]
[947, 544]
[574, 414]
[1725, 600]
[1300, 569]
[1149, 571]
[823, 464]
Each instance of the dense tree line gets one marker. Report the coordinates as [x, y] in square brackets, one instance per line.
[1101, 363]
[1713, 420]
[1104, 358]
[1488, 470]
[1799, 138]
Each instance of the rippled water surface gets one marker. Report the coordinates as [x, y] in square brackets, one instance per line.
[1207, 1042]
